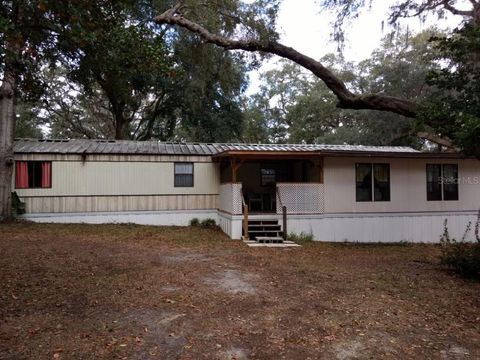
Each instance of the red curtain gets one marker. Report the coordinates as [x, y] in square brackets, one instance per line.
[46, 174]
[21, 175]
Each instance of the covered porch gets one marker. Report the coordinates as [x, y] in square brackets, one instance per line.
[270, 185]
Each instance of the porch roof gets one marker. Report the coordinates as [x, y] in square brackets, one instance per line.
[296, 151]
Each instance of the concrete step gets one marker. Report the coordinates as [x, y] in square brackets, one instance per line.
[285, 244]
[275, 233]
[269, 239]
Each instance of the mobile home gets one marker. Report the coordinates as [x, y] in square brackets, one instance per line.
[334, 192]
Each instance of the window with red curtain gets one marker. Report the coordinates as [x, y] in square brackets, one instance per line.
[21, 175]
[46, 174]
[33, 174]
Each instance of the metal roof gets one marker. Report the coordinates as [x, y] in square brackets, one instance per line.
[83, 146]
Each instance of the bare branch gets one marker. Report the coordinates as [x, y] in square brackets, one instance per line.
[437, 140]
[454, 10]
[346, 99]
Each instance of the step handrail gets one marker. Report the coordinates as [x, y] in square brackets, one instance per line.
[284, 214]
[245, 218]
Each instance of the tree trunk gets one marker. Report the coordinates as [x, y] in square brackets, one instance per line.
[7, 129]
[118, 117]
[119, 126]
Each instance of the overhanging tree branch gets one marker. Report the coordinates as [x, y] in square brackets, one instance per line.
[346, 99]
[437, 140]
[446, 4]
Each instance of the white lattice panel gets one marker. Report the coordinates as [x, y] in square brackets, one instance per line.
[301, 198]
[231, 198]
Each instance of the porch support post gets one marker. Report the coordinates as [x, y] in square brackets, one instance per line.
[245, 221]
[235, 166]
[320, 170]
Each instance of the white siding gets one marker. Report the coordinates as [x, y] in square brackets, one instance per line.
[74, 178]
[407, 186]
[384, 228]
[165, 218]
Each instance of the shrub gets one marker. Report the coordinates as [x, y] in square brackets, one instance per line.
[18, 207]
[208, 223]
[462, 256]
[303, 237]
[194, 222]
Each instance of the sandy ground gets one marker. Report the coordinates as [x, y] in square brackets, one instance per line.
[133, 292]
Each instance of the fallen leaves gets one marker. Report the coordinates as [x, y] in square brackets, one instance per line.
[108, 291]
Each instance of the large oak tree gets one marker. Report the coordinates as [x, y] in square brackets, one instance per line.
[257, 37]
[32, 34]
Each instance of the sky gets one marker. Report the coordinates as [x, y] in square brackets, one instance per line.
[303, 27]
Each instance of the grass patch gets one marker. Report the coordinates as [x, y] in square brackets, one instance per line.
[302, 237]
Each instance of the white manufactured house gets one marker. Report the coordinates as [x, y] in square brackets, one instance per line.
[335, 192]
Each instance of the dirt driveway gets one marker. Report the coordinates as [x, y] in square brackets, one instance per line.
[133, 292]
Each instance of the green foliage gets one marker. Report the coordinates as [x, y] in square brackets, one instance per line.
[194, 222]
[123, 76]
[346, 10]
[255, 127]
[206, 223]
[293, 106]
[254, 19]
[453, 109]
[302, 237]
[29, 121]
[18, 207]
[131, 67]
[462, 256]
[210, 90]
[35, 33]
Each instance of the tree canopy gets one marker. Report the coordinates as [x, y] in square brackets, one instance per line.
[181, 15]
[298, 107]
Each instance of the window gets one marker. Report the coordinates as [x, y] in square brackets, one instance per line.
[183, 175]
[372, 181]
[270, 175]
[381, 184]
[33, 174]
[442, 182]
[364, 182]
[450, 182]
[434, 183]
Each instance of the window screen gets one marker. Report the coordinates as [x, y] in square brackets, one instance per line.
[364, 182]
[372, 182]
[450, 182]
[442, 182]
[434, 183]
[183, 174]
[381, 182]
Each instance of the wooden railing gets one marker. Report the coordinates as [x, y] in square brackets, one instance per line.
[245, 218]
[284, 215]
